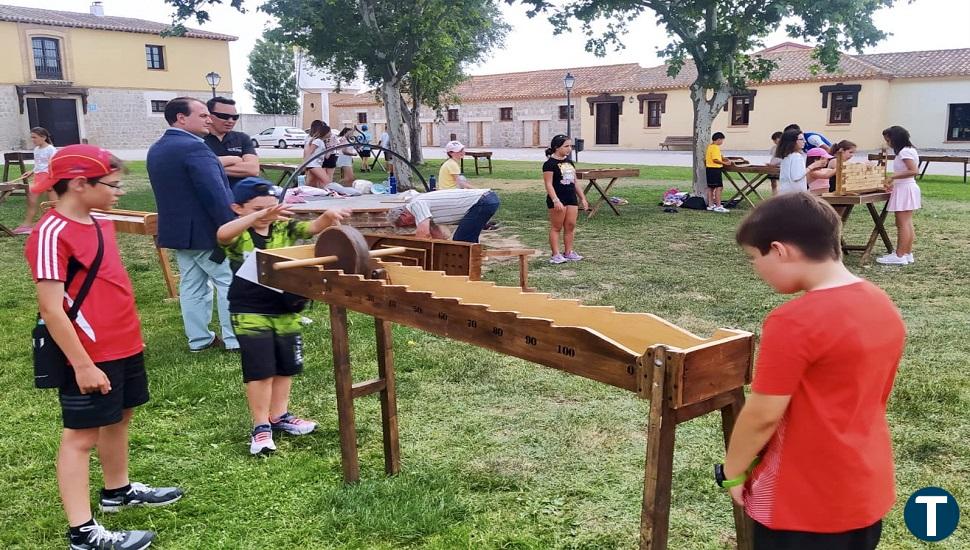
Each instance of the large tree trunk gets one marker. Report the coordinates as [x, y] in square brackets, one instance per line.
[414, 125]
[394, 111]
[705, 111]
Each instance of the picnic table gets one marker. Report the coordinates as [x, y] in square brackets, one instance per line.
[844, 204]
[593, 174]
[285, 169]
[7, 189]
[924, 162]
[367, 211]
[15, 158]
[487, 155]
[753, 175]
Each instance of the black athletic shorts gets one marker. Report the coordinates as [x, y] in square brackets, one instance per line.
[129, 388]
[865, 538]
[270, 345]
[566, 195]
[329, 162]
[715, 177]
[365, 153]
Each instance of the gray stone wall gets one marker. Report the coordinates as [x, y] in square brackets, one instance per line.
[528, 116]
[116, 118]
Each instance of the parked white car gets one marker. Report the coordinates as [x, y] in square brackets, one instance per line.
[280, 137]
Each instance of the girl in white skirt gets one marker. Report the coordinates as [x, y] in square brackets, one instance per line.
[905, 198]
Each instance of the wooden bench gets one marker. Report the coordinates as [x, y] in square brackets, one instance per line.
[487, 155]
[677, 142]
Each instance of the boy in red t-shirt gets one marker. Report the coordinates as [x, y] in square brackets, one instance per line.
[103, 344]
[816, 417]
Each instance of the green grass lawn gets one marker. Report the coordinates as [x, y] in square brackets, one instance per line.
[497, 452]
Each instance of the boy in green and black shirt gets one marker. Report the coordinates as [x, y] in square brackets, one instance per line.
[266, 321]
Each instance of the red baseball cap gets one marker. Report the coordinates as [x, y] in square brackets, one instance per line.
[74, 161]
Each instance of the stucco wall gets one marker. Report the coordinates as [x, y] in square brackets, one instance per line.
[113, 59]
[922, 107]
[775, 107]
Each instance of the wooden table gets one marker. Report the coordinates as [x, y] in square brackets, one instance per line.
[596, 173]
[15, 158]
[487, 155]
[285, 169]
[367, 211]
[7, 189]
[924, 162]
[843, 204]
[758, 175]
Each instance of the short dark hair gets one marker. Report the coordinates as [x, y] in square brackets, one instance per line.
[223, 100]
[775, 135]
[179, 106]
[116, 164]
[898, 137]
[717, 136]
[792, 127]
[799, 219]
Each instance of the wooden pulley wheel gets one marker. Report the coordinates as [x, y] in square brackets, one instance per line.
[348, 245]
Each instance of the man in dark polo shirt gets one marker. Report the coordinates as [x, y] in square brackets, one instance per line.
[234, 149]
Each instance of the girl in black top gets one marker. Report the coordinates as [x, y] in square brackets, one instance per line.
[563, 196]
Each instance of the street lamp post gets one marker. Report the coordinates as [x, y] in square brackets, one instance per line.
[213, 79]
[569, 81]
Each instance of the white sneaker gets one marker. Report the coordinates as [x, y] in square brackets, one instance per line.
[909, 258]
[261, 441]
[721, 209]
[892, 259]
[710, 207]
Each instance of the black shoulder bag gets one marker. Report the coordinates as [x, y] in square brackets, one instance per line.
[50, 364]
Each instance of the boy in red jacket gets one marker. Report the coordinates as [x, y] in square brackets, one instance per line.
[816, 418]
[106, 378]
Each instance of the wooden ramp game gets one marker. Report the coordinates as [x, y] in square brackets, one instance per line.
[683, 375]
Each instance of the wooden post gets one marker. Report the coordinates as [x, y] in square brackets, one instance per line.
[385, 372]
[729, 415]
[655, 514]
[166, 269]
[345, 399]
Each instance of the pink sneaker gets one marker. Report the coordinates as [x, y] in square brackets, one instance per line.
[573, 257]
[23, 230]
[558, 259]
[293, 424]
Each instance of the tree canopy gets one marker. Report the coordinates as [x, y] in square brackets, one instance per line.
[272, 78]
[720, 36]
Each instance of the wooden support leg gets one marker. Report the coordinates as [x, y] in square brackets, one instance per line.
[524, 273]
[655, 514]
[170, 282]
[345, 399]
[879, 220]
[742, 524]
[385, 372]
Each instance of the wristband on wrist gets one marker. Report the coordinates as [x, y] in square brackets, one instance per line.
[722, 481]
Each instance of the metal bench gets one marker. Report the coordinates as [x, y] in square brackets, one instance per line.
[677, 142]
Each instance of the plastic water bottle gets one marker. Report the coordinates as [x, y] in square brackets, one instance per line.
[432, 183]
[393, 185]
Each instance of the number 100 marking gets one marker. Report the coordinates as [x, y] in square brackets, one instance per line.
[566, 350]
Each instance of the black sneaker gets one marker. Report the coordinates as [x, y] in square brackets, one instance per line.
[99, 538]
[215, 343]
[140, 495]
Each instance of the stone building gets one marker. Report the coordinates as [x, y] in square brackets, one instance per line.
[91, 77]
[629, 107]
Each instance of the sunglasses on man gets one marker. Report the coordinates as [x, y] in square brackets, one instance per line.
[225, 116]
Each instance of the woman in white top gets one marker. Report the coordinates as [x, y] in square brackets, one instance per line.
[345, 158]
[43, 151]
[905, 198]
[793, 173]
[320, 171]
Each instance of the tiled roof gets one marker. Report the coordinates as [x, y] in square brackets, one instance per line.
[17, 14]
[923, 64]
[795, 64]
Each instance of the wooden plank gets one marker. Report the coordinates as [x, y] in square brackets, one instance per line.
[368, 387]
[710, 369]
[658, 469]
[729, 415]
[603, 173]
[389, 423]
[858, 178]
[577, 350]
[345, 400]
